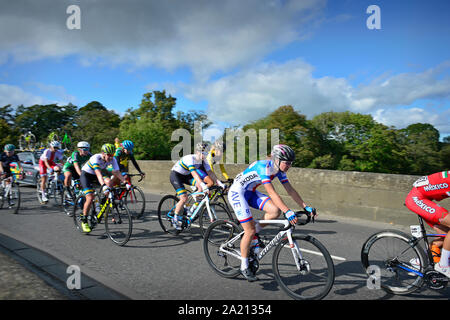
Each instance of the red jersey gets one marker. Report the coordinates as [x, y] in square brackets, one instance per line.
[435, 186]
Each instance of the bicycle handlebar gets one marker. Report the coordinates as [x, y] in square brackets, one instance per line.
[309, 217]
[136, 174]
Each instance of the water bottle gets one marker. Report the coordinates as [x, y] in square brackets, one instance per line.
[192, 209]
[255, 245]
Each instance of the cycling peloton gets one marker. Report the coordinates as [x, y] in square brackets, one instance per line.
[186, 169]
[48, 162]
[243, 195]
[420, 201]
[91, 172]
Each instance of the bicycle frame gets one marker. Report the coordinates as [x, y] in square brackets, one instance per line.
[415, 241]
[286, 231]
[200, 205]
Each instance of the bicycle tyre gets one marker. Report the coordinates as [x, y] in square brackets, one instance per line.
[378, 250]
[118, 224]
[223, 264]
[78, 211]
[306, 282]
[135, 201]
[14, 195]
[69, 199]
[220, 212]
[57, 191]
[165, 213]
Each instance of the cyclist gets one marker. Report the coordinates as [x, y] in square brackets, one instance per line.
[72, 167]
[183, 172]
[124, 153]
[420, 201]
[243, 195]
[91, 172]
[7, 158]
[48, 162]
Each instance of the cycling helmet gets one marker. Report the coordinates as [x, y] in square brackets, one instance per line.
[83, 145]
[9, 147]
[201, 147]
[127, 144]
[283, 152]
[108, 148]
[55, 144]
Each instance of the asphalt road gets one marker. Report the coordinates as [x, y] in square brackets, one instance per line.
[158, 266]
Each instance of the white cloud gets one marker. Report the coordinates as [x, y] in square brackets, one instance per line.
[254, 93]
[206, 36]
[15, 96]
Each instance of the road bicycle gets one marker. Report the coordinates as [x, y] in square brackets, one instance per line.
[203, 210]
[219, 194]
[302, 265]
[134, 198]
[10, 194]
[70, 195]
[54, 188]
[116, 216]
[398, 263]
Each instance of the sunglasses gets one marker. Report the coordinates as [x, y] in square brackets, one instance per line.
[288, 163]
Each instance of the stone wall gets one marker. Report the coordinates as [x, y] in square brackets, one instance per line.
[368, 196]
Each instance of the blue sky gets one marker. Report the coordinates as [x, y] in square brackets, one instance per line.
[235, 60]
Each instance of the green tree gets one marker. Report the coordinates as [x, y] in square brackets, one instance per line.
[95, 124]
[421, 141]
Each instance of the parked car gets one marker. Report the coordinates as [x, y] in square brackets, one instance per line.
[30, 164]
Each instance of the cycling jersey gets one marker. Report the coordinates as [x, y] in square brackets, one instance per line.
[189, 163]
[76, 157]
[181, 172]
[122, 159]
[243, 193]
[97, 163]
[7, 161]
[426, 189]
[51, 157]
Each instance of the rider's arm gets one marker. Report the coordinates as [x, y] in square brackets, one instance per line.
[77, 168]
[99, 175]
[294, 194]
[133, 160]
[275, 197]
[200, 183]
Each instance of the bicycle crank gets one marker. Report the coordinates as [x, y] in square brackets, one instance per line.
[435, 280]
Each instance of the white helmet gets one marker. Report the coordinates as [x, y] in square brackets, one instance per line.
[55, 144]
[84, 145]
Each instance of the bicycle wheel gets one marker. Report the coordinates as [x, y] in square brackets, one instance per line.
[390, 253]
[166, 209]
[68, 201]
[219, 211]
[57, 192]
[316, 275]
[226, 264]
[78, 211]
[13, 200]
[135, 201]
[118, 224]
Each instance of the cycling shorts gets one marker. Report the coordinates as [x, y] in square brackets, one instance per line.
[242, 200]
[43, 167]
[88, 181]
[178, 181]
[424, 207]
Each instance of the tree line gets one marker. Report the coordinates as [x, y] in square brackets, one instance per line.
[331, 140]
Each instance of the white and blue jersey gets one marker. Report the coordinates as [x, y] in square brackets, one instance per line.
[243, 193]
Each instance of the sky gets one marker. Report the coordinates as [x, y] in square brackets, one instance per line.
[237, 61]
